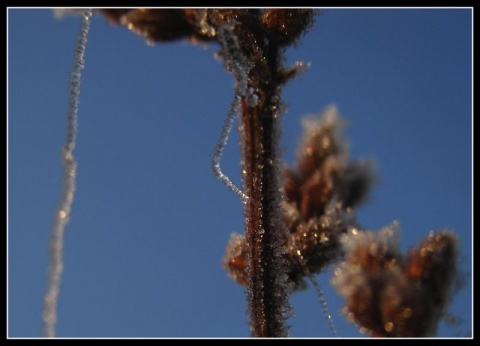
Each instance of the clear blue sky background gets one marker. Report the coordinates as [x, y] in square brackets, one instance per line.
[150, 222]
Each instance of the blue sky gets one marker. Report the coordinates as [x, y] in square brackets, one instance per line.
[150, 223]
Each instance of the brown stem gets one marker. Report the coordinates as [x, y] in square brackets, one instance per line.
[267, 292]
[252, 41]
[265, 230]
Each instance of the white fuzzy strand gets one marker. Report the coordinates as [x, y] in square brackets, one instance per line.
[323, 302]
[318, 289]
[238, 64]
[62, 215]
[218, 152]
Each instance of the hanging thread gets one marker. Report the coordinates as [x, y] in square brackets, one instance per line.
[62, 215]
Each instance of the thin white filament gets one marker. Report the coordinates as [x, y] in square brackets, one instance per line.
[234, 59]
[62, 215]
[218, 152]
[321, 296]
[238, 64]
[323, 302]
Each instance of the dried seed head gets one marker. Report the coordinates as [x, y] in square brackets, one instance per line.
[319, 196]
[370, 250]
[317, 241]
[310, 247]
[357, 181]
[321, 139]
[158, 24]
[163, 25]
[323, 172]
[389, 296]
[433, 264]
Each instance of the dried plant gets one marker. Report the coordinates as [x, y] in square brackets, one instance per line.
[319, 196]
[252, 43]
[301, 220]
[388, 294]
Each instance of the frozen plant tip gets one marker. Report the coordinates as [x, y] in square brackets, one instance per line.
[388, 294]
[323, 172]
[62, 214]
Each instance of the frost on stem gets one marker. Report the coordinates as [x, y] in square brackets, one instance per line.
[388, 294]
[62, 214]
[321, 192]
[252, 42]
[249, 42]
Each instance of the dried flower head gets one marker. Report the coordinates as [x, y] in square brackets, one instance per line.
[389, 295]
[323, 172]
[320, 194]
[163, 25]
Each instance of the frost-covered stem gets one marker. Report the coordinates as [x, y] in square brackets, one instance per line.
[62, 215]
[265, 292]
[252, 42]
[256, 87]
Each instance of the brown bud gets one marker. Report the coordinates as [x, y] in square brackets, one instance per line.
[285, 26]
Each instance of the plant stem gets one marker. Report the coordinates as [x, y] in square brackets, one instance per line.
[267, 292]
[252, 43]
